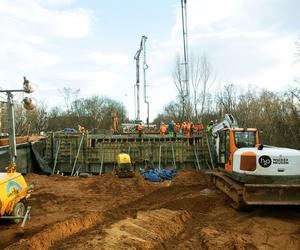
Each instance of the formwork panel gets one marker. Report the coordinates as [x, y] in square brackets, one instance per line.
[96, 150]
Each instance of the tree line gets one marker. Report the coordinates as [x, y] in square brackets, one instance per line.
[93, 113]
[275, 114]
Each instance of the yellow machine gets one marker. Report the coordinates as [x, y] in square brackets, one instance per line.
[13, 196]
[124, 167]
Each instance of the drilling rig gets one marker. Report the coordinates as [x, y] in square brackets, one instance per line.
[137, 84]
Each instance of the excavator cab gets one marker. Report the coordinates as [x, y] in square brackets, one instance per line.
[230, 140]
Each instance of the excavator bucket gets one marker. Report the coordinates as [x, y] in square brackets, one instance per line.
[271, 194]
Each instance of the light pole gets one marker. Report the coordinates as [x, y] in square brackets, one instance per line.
[29, 104]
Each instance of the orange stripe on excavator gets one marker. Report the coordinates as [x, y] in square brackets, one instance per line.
[233, 148]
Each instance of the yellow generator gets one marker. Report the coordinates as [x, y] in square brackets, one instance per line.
[13, 196]
[124, 167]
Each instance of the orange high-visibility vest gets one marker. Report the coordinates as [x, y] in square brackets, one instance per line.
[163, 129]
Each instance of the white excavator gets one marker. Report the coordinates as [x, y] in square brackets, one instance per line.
[251, 173]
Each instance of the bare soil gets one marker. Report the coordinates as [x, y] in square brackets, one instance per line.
[105, 212]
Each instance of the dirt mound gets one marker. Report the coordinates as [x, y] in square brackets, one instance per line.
[57, 198]
[58, 231]
[147, 230]
[251, 233]
[185, 213]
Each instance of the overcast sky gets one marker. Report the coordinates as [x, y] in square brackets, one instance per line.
[90, 45]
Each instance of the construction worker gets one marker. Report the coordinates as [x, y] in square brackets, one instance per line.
[140, 129]
[183, 128]
[192, 128]
[81, 129]
[209, 126]
[200, 127]
[162, 129]
[177, 128]
[171, 128]
[116, 123]
[188, 129]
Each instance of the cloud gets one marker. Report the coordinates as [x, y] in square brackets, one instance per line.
[31, 16]
[58, 2]
[204, 14]
[91, 82]
[74, 23]
[113, 59]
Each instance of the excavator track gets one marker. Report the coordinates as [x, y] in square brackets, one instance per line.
[245, 196]
[232, 189]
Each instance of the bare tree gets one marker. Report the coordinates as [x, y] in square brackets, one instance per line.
[195, 79]
[38, 119]
[180, 86]
[207, 79]
[201, 78]
[20, 119]
[69, 95]
[298, 50]
[30, 121]
[227, 99]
